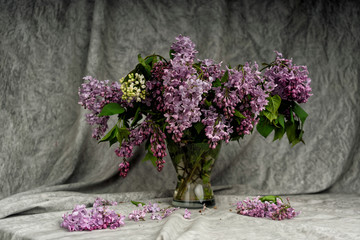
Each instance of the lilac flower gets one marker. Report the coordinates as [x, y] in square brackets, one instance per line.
[102, 202]
[184, 49]
[169, 211]
[155, 88]
[163, 213]
[126, 149]
[257, 208]
[99, 217]
[152, 208]
[217, 127]
[246, 92]
[187, 214]
[78, 220]
[94, 95]
[156, 217]
[136, 215]
[183, 89]
[124, 168]
[158, 146]
[293, 82]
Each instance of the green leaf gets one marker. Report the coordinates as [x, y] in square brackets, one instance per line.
[199, 126]
[113, 141]
[137, 203]
[202, 146]
[110, 135]
[207, 103]
[270, 198]
[150, 156]
[124, 132]
[171, 54]
[236, 138]
[264, 127]
[269, 115]
[291, 115]
[118, 135]
[143, 63]
[239, 114]
[291, 131]
[279, 133]
[149, 60]
[225, 77]
[281, 120]
[111, 109]
[147, 143]
[136, 117]
[273, 104]
[300, 113]
[216, 83]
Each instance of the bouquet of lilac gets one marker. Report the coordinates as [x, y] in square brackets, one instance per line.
[183, 101]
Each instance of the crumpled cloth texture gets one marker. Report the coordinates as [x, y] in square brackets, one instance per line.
[323, 216]
[48, 46]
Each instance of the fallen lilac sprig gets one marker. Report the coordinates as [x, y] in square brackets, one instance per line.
[136, 215]
[99, 217]
[153, 208]
[187, 214]
[163, 213]
[276, 210]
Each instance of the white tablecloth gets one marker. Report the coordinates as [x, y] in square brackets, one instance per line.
[323, 216]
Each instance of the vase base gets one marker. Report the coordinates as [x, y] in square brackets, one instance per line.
[193, 204]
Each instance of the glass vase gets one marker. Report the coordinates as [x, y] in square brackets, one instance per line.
[193, 164]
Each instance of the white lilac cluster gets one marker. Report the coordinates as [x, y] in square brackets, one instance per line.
[133, 88]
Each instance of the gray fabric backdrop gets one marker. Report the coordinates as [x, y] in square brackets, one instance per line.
[48, 46]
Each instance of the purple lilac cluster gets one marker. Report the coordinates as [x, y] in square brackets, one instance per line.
[154, 209]
[154, 87]
[183, 89]
[158, 146]
[99, 217]
[94, 95]
[163, 213]
[124, 168]
[137, 136]
[245, 91]
[293, 82]
[217, 127]
[275, 211]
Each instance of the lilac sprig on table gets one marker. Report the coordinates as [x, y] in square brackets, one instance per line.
[187, 214]
[99, 217]
[184, 100]
[266, 207]
[153, 208]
